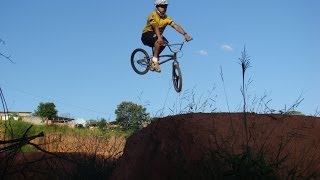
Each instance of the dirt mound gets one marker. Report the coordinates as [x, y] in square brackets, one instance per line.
[176, 147]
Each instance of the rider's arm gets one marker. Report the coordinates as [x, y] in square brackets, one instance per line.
[181, 31]
[157, 31]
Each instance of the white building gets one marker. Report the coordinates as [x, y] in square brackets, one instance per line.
[28, 117]
[15, 115]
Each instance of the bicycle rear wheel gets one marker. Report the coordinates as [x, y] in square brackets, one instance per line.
[176, 77]
[140, 61]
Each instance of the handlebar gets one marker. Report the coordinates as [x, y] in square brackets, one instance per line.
[177, 44]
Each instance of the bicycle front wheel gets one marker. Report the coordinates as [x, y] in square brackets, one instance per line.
[176, 77]
[140, 61]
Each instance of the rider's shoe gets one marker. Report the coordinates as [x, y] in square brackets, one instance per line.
[151, 66]
[154, 66]
[157, 66]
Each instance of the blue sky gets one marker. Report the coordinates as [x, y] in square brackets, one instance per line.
[77, 55]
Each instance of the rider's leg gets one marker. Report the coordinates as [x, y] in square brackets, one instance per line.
[158, 48]
[150, 39]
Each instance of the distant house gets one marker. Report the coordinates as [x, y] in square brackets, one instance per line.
[28, 117]
[24, 116]
[15, 115]
[58, 120]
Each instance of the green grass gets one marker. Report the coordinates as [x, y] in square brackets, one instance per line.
[16, 129]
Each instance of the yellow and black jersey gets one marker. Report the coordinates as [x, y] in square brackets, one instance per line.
[161, 21]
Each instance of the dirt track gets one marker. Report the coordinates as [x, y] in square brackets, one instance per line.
[177, 143]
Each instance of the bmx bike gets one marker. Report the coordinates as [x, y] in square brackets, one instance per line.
[140, 62]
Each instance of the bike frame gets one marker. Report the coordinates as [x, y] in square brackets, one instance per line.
[173, 56]
[144, 62]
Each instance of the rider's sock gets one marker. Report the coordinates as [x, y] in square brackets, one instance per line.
[154, 59]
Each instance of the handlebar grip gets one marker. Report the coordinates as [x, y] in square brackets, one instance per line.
[189, 40]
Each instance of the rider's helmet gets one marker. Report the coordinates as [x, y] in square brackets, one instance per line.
[158, 3]
[161, 2]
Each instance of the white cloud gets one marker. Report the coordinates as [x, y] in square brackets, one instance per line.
[203, 52]
[80, 121]
[227, 47]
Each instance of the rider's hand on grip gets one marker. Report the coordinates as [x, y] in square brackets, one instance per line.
[187, 37]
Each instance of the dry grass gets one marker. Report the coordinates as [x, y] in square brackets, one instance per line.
[104, 146]
[64, 156]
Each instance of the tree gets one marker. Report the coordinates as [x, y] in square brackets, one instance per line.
[101, 124]
[131, 115]
[46, 110]
[91, 123]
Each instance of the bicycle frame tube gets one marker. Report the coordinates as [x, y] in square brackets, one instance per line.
[168, 57]
[172, 56]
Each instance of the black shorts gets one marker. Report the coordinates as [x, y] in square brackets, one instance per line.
[149, 38]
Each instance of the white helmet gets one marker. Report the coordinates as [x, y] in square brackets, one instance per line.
[161, 2]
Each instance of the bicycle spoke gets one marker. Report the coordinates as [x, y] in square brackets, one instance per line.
[176, 77]
[139, 61]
